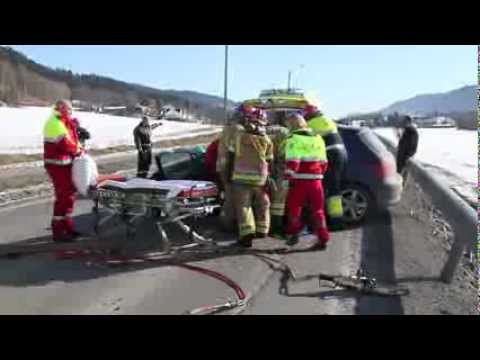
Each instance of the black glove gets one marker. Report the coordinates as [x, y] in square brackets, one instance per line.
[83, 134]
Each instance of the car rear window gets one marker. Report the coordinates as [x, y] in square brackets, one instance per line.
[372, 142]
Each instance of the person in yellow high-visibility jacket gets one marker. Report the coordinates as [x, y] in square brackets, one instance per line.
[337, 160]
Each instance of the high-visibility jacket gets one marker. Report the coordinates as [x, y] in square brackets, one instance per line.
[60, 140]
[252, 155]
[327, 129]
[305, 155]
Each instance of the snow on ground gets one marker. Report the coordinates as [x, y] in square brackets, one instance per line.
[21, 129]
[450, 154]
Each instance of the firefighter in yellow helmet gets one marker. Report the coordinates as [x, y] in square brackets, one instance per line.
[249, 163]
[337, 160]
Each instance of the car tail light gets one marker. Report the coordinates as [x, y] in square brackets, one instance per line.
[385, 168]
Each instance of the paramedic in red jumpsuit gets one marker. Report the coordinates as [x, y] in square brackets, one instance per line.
[306, 164]
[61, 146]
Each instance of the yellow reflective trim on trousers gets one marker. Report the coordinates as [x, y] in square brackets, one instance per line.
[263, 227]
[245, 230]
[277, 212]
[254, 180]
[334, 206]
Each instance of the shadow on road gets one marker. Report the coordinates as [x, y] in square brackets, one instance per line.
[378, 259]
[42, 269]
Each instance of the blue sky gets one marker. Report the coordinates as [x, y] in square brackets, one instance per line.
[345, 79]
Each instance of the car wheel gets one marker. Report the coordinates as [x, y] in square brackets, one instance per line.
[357, 203]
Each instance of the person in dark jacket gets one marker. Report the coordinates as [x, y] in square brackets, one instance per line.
[143, 142]
[407, 146]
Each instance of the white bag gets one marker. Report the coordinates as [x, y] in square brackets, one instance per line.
[84, 173]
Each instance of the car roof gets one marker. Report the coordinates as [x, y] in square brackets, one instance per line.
[353, 129]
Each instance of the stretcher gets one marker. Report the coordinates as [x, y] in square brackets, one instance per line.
[129, 200]
[163, 202]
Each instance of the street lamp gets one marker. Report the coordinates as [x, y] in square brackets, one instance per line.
[225, 85]
[290, 77]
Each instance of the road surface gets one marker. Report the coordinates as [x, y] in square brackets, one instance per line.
[396, 247]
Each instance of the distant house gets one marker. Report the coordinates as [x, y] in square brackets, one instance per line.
[436, 122]
[170, 112]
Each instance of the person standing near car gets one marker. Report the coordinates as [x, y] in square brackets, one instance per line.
[306, 164]
[249, 164]
[407, 146]
[142, 135]
[61, 146]
[337, 159]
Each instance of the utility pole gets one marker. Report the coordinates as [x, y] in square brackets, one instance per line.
[289, 79]
[225, 96]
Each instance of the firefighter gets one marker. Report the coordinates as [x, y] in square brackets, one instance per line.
[337, 159]
[61, 146]
[278, 133]
[306, 164]
[143, 142]
[250, 157]
[227, 214]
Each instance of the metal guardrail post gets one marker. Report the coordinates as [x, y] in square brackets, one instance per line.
[462, 218]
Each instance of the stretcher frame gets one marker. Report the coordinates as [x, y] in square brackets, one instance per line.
[169, 211]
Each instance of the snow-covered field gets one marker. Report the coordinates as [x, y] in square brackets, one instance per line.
[450, 154]
[21, 129]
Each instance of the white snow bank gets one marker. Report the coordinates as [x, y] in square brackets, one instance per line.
[448, 153]
[21, 129]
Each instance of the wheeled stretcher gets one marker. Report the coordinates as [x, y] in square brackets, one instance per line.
[163, 202]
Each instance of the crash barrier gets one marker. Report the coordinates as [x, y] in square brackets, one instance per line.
[461, 216]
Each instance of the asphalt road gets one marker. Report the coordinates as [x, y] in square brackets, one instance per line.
[395, 247]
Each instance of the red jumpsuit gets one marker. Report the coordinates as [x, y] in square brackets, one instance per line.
[306, 164]
[211, 161]
[58, 156]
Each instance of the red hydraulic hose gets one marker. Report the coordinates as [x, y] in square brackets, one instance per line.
[232, 284]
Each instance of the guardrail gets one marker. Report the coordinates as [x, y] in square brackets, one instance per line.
[462, 217]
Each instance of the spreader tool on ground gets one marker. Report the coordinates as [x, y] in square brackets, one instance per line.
[360, 282]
